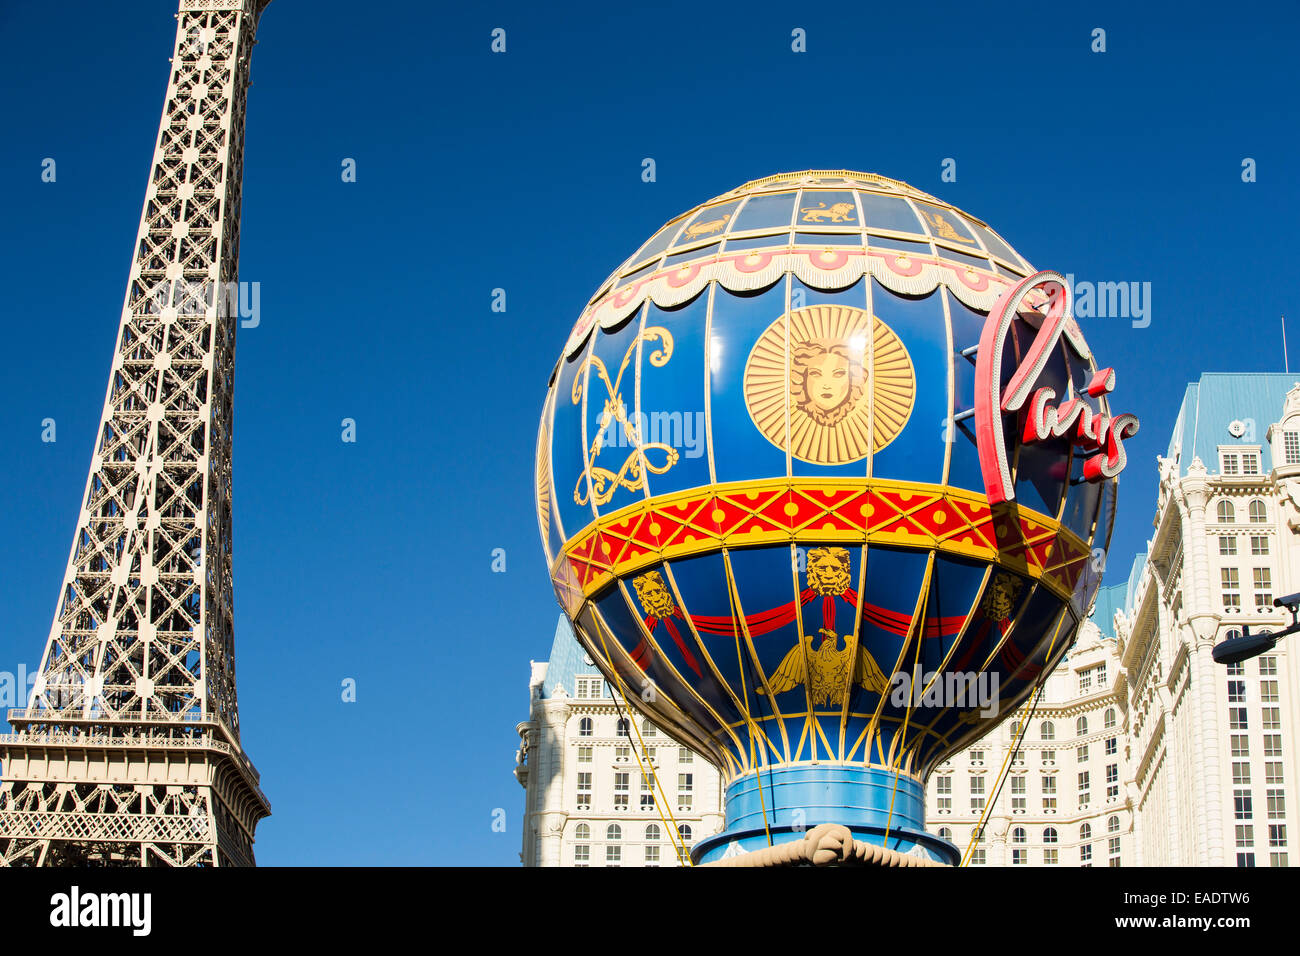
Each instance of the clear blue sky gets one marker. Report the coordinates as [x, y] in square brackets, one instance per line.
[522, 171]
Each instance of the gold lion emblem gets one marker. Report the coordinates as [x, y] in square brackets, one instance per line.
[828, 570]
[654, 594]
[837, 212]
[1000, 599]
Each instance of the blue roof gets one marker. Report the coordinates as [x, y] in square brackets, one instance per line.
[1109, 600]
[1219, 398]
[568, 659]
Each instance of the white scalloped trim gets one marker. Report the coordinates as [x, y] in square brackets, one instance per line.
[822, 268]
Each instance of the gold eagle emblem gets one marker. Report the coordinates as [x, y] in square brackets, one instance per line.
[826, 670]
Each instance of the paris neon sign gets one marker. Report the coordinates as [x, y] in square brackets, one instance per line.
[1041, 416]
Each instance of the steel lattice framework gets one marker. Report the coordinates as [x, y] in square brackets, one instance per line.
[128, 752]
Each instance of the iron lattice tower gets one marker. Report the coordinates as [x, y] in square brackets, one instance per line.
[128, 752]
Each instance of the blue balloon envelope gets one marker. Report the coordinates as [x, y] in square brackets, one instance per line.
[824, 476]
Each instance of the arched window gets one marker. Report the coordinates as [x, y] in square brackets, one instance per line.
[1049, 835]
[1112, 825]
[1085, 832]
[648, 729]
[1227, 514]
[622, 727]
[613, 832]
[1257, 511]
[1018, 835]
[584, 727]
[1110, 717]
[652, 832]
[684, 832]
[1015, 729]
[1048, 730]
[582, 832]
[945, 834]
[1081, 726]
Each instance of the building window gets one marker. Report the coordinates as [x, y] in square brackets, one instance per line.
[584, 727]
[1268, 691]
[1273, 772]
[1249, 463]
[1263, 587]
[1049, 856]
[1237, 718]
[651, 755]
[976, 793]
[1085, 832]
[1227, 514]
[1049, 794]
[1277, 834]
[584, 791]
[685, 791]
[1085, 787]
[1109, 722]
[1276, 804]
[1241, 772]
[1245, 835]
[1112, 746]
[1049, 757]
[1229, 463]
[1231, 587]
[648, 729]
[1018, 835]
[1049, 835]
[1245, 859]
[1236, 691]
[652, 856]
[1085, 681]
[1272, 745]
[1018, 790]
[1085, 855]
[1258, 544]
[622, 754]
[581, 854]
[1241, 745]
[1291, 447]
[1241, 805]
[613, 832]
[622, 727]
[584, 755]
[1113, 848]
[622, 786]
[1271, 718]
[1277, 859]
[1112, 825]
[613, 854]
[977, 757]
[1102, 678]
[685, 756]
[943, 787]
[1267, 666]
[684, 835]
[1112, 781]
[1048, 730]
[1258, 513]
[979, 857]
[1081, 727]
[1227, 544]
[647, 792]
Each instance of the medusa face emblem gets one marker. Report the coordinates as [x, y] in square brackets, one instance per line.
[833, 381]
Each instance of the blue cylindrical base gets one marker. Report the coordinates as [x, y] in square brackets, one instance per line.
[796, 799]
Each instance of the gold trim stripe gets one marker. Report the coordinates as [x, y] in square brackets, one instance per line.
[780, 511]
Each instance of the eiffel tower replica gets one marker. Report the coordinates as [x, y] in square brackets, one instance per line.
[128, 752]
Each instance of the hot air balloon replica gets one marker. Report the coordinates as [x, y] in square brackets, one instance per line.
[825, 476]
